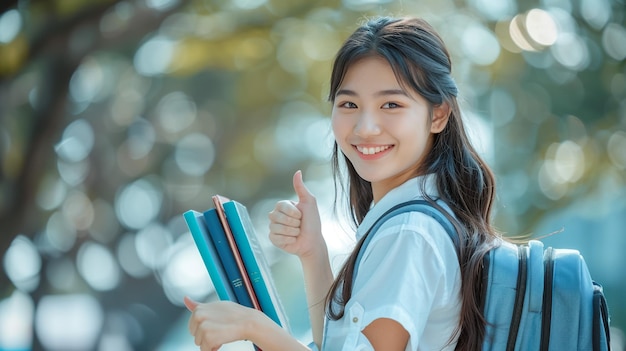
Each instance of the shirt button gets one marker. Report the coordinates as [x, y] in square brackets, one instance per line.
[355, 319]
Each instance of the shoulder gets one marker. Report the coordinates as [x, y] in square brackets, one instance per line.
[414, 226]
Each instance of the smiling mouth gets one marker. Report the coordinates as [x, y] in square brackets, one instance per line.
[372, 150]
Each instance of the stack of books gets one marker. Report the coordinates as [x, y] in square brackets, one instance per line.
[234, 258]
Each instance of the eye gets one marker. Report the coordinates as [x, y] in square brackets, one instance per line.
[390, 105]
[347, 104]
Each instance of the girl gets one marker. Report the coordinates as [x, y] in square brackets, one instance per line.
[398, 128]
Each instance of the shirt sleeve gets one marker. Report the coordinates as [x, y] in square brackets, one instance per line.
[402, 275]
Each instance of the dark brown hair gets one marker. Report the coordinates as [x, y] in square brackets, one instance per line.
[420, 61]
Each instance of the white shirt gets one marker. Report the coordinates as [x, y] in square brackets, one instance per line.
[409, 273]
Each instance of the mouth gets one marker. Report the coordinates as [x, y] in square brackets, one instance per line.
[372, 150]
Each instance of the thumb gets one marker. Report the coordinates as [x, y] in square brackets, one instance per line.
[304, 195]
[191, 304]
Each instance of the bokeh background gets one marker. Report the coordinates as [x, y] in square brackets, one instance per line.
[116, 116]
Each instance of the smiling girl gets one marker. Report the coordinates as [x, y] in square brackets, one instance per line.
[399, 131]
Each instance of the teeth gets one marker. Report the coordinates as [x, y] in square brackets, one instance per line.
[372, 150]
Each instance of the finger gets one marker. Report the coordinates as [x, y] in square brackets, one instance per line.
[288, 208]
[284, 219]
[304, 195]
[190, 304]
[280, 229]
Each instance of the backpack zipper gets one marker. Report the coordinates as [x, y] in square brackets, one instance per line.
[547, 299]
[519, 297]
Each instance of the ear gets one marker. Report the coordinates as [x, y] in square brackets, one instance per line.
[441, 114]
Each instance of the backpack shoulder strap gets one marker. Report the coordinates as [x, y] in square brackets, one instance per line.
[422, 206]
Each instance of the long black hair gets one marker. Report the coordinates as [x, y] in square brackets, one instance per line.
[421, 62]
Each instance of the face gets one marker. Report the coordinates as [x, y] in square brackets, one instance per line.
[383, 130]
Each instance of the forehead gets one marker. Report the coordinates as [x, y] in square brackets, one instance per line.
[370, 75]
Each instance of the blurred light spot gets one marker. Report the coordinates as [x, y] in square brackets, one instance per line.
[248, 4]
[617, 149]
[129, 258]
[73, 173]
[151, 243]
[22, 263]
[185, 273]
[480, 45]
[117, 18]
[87, 81]
[291, 56]
[564, 164]
[162, 5]
[502, 107]
[549, 186]
[51, 193]
[541, 27]
[68, 322]
[504, 36]
[78, 210]
[194, 154]
[104, 227]
[596, 12]
[16, 322]
[517, 31]
[138, 203]
[77, 141]
[60, 234]
[154, 56]
[319, 42]
[129, 99]
[97, 265]
[141, 138]
[569, 162]
[571, 51]
[61, 274]
[614, 41]
[495, 9]
[10, 25]
[176, 111]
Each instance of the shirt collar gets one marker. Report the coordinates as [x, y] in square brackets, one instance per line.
[409, 190]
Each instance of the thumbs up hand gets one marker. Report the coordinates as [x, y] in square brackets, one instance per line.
[295, 227]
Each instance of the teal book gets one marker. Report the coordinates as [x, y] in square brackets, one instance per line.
[227, 258]
[256, 264]
[199, 232]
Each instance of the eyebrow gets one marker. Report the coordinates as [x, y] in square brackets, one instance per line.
[385, 92]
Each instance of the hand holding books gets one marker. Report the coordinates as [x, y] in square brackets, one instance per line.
[234, 258]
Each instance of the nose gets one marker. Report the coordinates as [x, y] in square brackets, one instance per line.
[367, 124]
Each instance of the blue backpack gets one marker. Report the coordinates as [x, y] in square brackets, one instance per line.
[533, 298]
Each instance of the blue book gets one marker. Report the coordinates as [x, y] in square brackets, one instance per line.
[256, 265]
[199, 232]
[223, 248]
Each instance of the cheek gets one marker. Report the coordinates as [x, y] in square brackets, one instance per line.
[339, 125]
